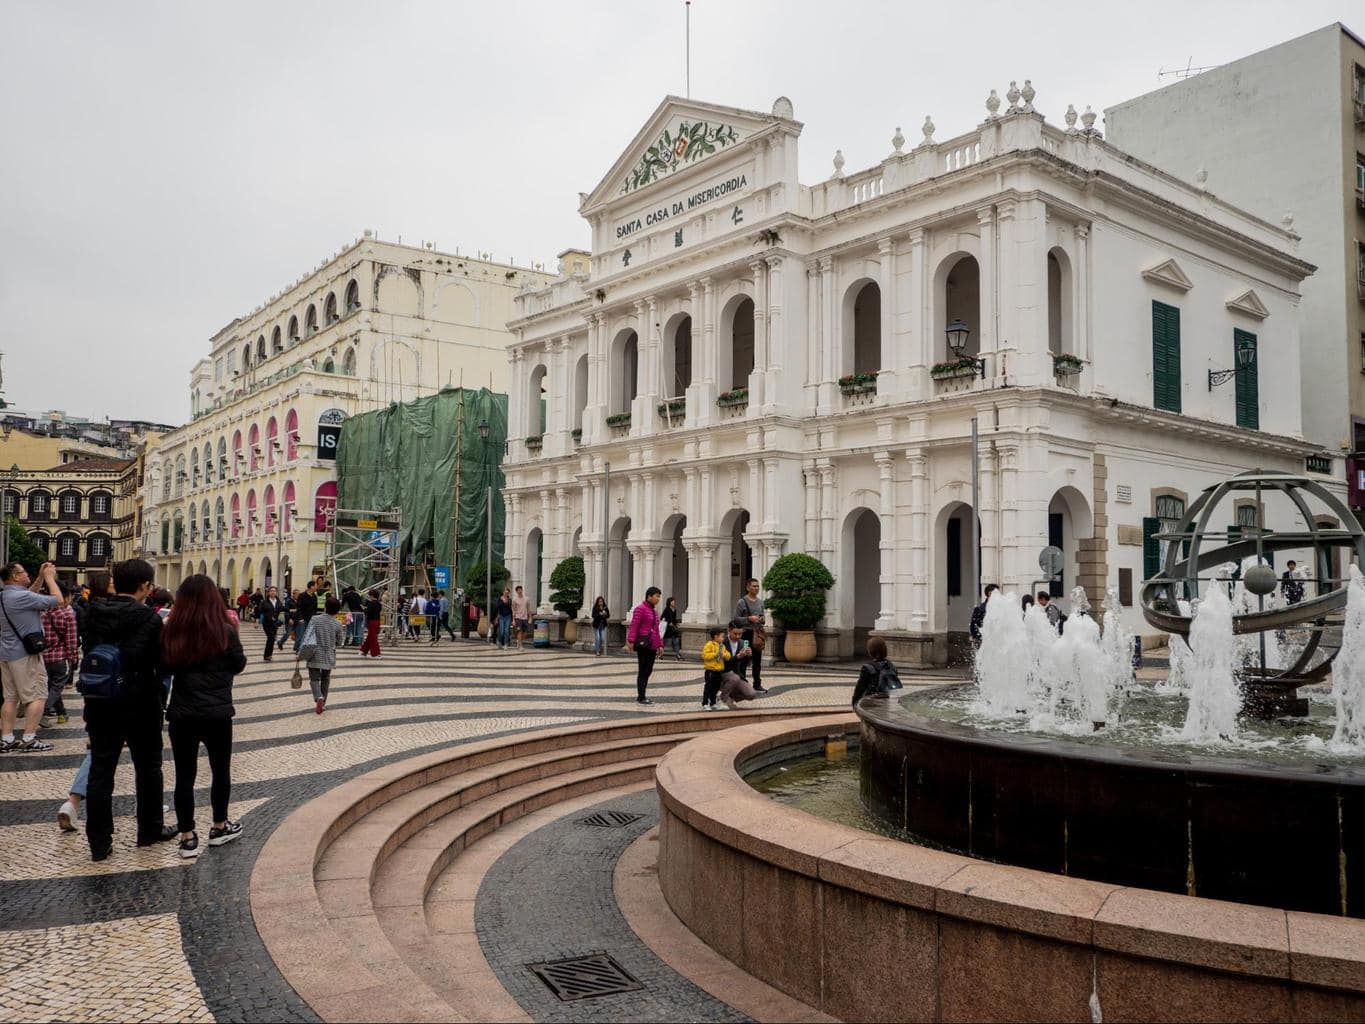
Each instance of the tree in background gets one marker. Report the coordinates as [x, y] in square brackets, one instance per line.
[566, 586]
[22, 549]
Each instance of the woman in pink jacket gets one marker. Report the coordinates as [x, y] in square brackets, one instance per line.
[643, 637]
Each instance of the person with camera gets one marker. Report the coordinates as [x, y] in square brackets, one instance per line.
[23, 676]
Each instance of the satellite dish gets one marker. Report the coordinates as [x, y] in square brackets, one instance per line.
[1050, 561]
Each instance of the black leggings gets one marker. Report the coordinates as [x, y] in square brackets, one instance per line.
[645, 667]
[186, 735]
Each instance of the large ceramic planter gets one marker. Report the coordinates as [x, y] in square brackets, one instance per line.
[483, 625]
[571, 631]
[798, 646]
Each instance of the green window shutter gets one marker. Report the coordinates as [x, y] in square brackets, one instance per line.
[1165, 357]
[1248, 386]
[1151, 547]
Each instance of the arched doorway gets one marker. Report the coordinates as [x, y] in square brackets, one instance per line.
[230, 577]
[267, 576]
[678, 357]
[537, 396]
[736, 560]
[737, 351]
[625, 381]
[1068, 522]
[675, 562]
[620, 570]
[1058, 302]
[286, 582]
[580, 392]
[861, 572]
[248, 577]
[533, 570]
[217, 574]
[955, 569]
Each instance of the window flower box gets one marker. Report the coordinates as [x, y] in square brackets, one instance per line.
[735, 398]
[619, 424]
[1067, 365]
[954, 369]
[858, 384]
[577, 435]
[673, 409]
[534, 444]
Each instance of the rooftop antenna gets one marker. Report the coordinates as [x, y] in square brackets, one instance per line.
[687, 4]
[1188, 71]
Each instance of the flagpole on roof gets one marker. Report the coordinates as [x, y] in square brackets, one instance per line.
[688, 61]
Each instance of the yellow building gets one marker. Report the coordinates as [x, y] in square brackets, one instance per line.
[242, 492]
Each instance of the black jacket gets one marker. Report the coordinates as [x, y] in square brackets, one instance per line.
[374, 610]
[135, 630]
[600, 616]
[204, 690]
[271, 613]
[869, 680]
[353, 601]
[308, 607]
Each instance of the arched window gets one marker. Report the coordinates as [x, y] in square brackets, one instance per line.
[287, 501]
[208, 462]
[329, 309]
[1059, 303]
[180, 475]
[276, 341]
[69, 501]
[260, 349]
[246, 357]
[165, 546]
[194, 468]
[293, 330]
[348, 363]
[625, 361]
[272, 441]
[178, 532]
[352, 297]
[97, 549]
[253, 444]
[68, 548]
[580, 392]
[736, 354]
[269, 508]
[222, 459]
[169, 471]
[863, 328]
[40, 502]
[678, 358]
[536, 404]
[205, 522]
[193, 521]
[959, 299]
[252, 520]
[219, 521]
[324, 501]
[328, 366]
[101, 505]
[291, 435]
[11, 506]
[41, 541]
[310, 321]
[237, 455]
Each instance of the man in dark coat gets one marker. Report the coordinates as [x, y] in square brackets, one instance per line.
[271, 611]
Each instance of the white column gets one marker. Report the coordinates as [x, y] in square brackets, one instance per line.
[1080, 287]
[757, 399]
[811, 479]
[828, 503]
[921, 579]
[989, 270]
[886, 282]
[775, 340]
[547, 552]
[990, 516]
[886, 619]
[831, 338]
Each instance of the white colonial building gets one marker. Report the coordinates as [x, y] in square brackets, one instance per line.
[242, 492]
[764, 367]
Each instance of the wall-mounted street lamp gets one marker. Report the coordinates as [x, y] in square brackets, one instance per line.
[1246, 359]
[958, 333]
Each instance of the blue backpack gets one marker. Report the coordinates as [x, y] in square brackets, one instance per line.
[102, 672]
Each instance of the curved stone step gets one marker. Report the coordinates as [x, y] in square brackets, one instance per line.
[315, 883]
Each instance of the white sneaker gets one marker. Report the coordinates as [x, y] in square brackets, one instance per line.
[66, 817]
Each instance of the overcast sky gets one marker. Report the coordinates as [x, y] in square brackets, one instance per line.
[168, 166]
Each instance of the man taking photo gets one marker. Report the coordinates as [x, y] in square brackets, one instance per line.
[23, 676]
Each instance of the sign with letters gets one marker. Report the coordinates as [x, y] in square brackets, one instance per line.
[440, 577]
[329, 433]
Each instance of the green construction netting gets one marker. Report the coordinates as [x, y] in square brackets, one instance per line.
[408, 456]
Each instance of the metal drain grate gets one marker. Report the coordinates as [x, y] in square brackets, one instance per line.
[610, 819]
[585, 977]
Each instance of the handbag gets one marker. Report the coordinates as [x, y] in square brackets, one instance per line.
[34, 643]
[296, 680]
[757, 638]
[308, 646]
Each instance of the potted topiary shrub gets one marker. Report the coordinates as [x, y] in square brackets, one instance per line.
[480, 595]
[566, 593]
[796, 585]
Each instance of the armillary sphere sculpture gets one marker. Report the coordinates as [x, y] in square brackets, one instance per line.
[1189, 554]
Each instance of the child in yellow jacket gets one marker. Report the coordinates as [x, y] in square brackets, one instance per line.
[714, 655]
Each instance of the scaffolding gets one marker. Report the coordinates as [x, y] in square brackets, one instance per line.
[364, 552]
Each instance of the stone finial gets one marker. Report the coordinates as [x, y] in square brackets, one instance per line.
[1070, 118]
[897, 140]
[1028, 93]
[1088, 119]
[928, 129]
[1201, 179]
[1012, 94]
[993, 105]
[838, 163]
[1288, 220]
[782, 107]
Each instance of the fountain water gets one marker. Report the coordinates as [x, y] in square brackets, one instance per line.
[1215, 697]
[1003, 688]
[1348, 674]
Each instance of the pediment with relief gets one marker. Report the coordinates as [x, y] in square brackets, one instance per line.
[1250, 303]
[1168, 272]
[680, 134]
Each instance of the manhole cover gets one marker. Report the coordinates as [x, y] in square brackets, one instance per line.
[610, 819]
[585, 977]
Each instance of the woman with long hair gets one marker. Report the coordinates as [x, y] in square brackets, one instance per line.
[601, 614]
[199, 644]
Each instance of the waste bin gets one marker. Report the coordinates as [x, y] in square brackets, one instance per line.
[541, 633]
